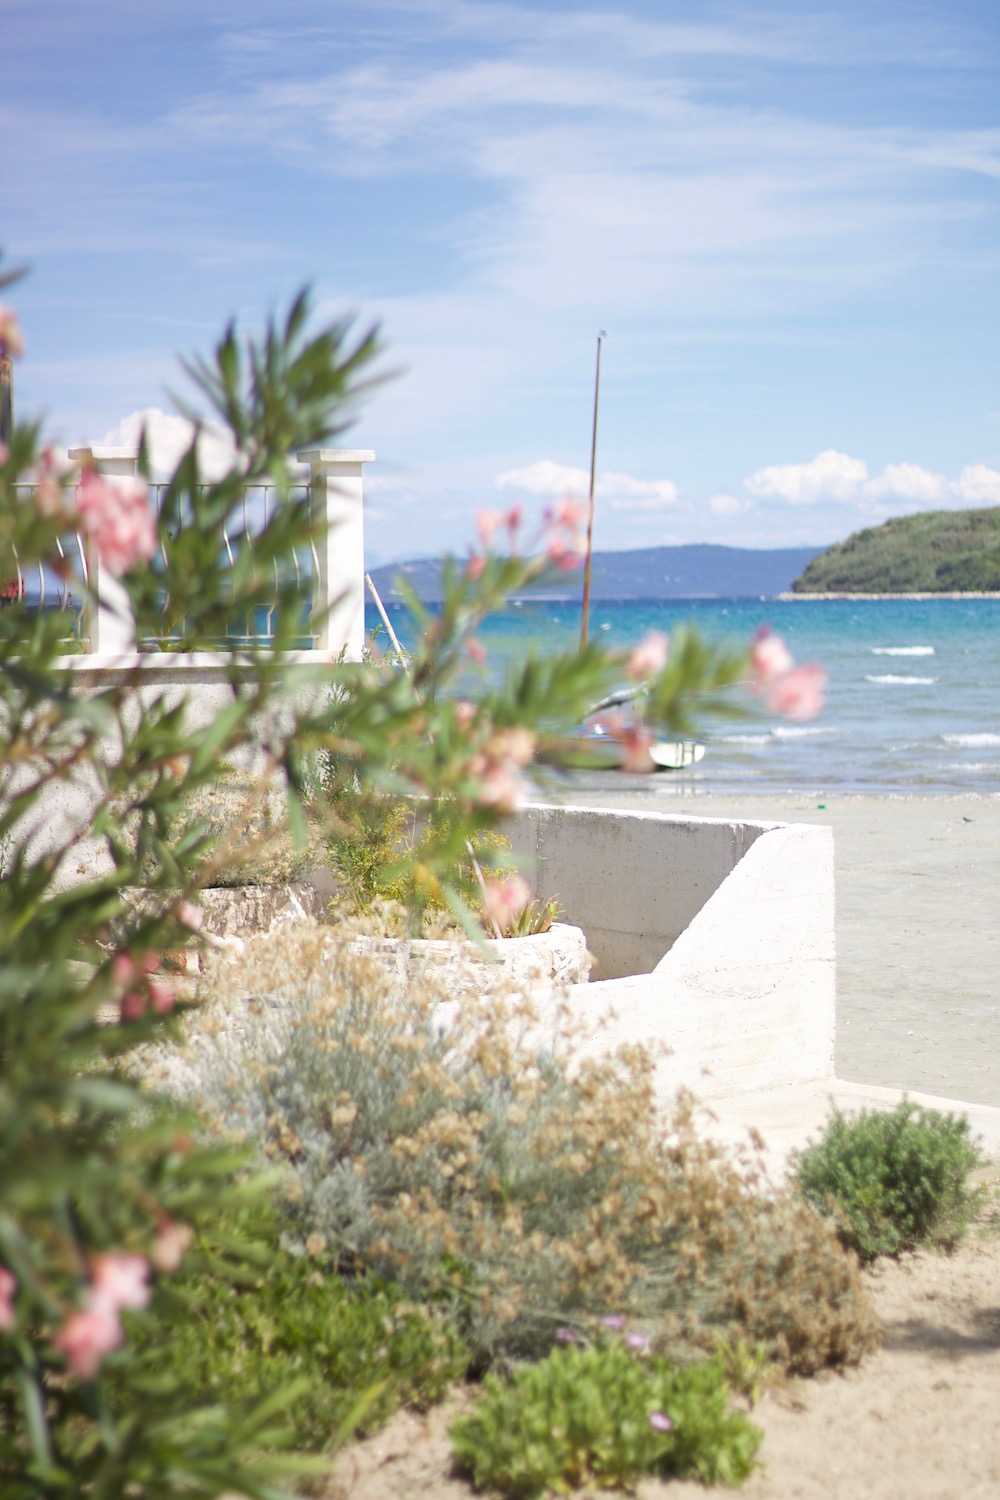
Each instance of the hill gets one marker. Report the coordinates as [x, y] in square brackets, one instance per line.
[699, 570]
[934, 552]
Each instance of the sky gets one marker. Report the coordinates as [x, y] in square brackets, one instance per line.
[785, 216]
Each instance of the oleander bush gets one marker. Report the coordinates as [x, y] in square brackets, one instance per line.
[456, 1149]
[603, 1416]
[408, 1159]
[892, 1180]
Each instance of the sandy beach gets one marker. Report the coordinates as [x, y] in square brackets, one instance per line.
[918, 936]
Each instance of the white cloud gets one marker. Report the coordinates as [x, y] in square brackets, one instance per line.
[628, 493]
[728, 505]
[978, 485]
[839, 478]
[546, 478]
[908, 482]
[623, 492]
[168, 437]
[828, 476]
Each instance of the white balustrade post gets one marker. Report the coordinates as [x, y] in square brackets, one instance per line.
[337, 495]
[110, 624]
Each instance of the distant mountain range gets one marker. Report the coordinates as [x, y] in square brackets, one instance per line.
[697, 570]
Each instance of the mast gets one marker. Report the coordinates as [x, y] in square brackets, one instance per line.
[588, 558]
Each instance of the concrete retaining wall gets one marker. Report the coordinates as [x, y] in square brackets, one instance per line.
[719, 936]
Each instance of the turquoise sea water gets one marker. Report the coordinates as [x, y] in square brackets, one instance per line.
[913, 705]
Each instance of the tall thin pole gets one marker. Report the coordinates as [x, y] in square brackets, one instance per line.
[589, 557]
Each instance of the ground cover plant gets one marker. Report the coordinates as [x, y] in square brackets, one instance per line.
[604, 1415]
[893, 1180]
[241, 1328]
[459, 1150]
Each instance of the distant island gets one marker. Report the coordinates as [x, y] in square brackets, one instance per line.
[696, 571]
[933, 552]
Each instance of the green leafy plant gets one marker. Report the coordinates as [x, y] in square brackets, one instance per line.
[242, 1328]
[534, 917]
[600, 1416]
[893, 1179]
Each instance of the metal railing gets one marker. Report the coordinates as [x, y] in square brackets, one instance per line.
[328, 578]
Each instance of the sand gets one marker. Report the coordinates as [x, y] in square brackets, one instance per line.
[918, 928]
[916, 1421]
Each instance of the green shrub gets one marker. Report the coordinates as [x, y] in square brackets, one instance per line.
[893, 1179]
[353, 1349]
[460, 1152]
[600, 1416]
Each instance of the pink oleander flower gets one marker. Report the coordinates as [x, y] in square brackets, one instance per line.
[614, 1321]
[660, 1422]
[513, 521]
[488, 523]
[500, 786]
[120, 1280]
[769, 658]
[162, 997]
[475, 567]
[118, 515]
[516, 744]
[571, 514]
[638, 1342]
[465, 713]
[635, 740]
[170, 1245]
[11, 340]
[132, 1006]
[190, 915]
[8, 1286]
[563, 554]
[798, 694]
[87, 1336]
[476, 651]
[49, 494]
[505, 899]
[649, 657]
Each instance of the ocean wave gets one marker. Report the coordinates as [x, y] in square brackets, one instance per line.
[902, 650]
[971, 741]
[745, 739]
[981, 767]
[794, 732]
[890, 677]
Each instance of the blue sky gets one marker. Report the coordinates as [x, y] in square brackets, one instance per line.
[786, 216]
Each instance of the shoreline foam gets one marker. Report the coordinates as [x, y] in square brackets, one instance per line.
[790, 598]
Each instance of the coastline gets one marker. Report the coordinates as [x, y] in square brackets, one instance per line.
[918, 945]
[791, 598]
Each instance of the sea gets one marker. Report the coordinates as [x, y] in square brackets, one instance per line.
[913, 702]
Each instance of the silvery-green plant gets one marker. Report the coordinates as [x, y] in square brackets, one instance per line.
[458, 1148]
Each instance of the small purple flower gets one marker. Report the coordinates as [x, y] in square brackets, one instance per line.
[637, 1341]
[660, 1422]
[568, 1336]
[614, 1321]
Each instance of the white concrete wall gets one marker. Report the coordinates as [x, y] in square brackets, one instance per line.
[740, 991]
[632, 880]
